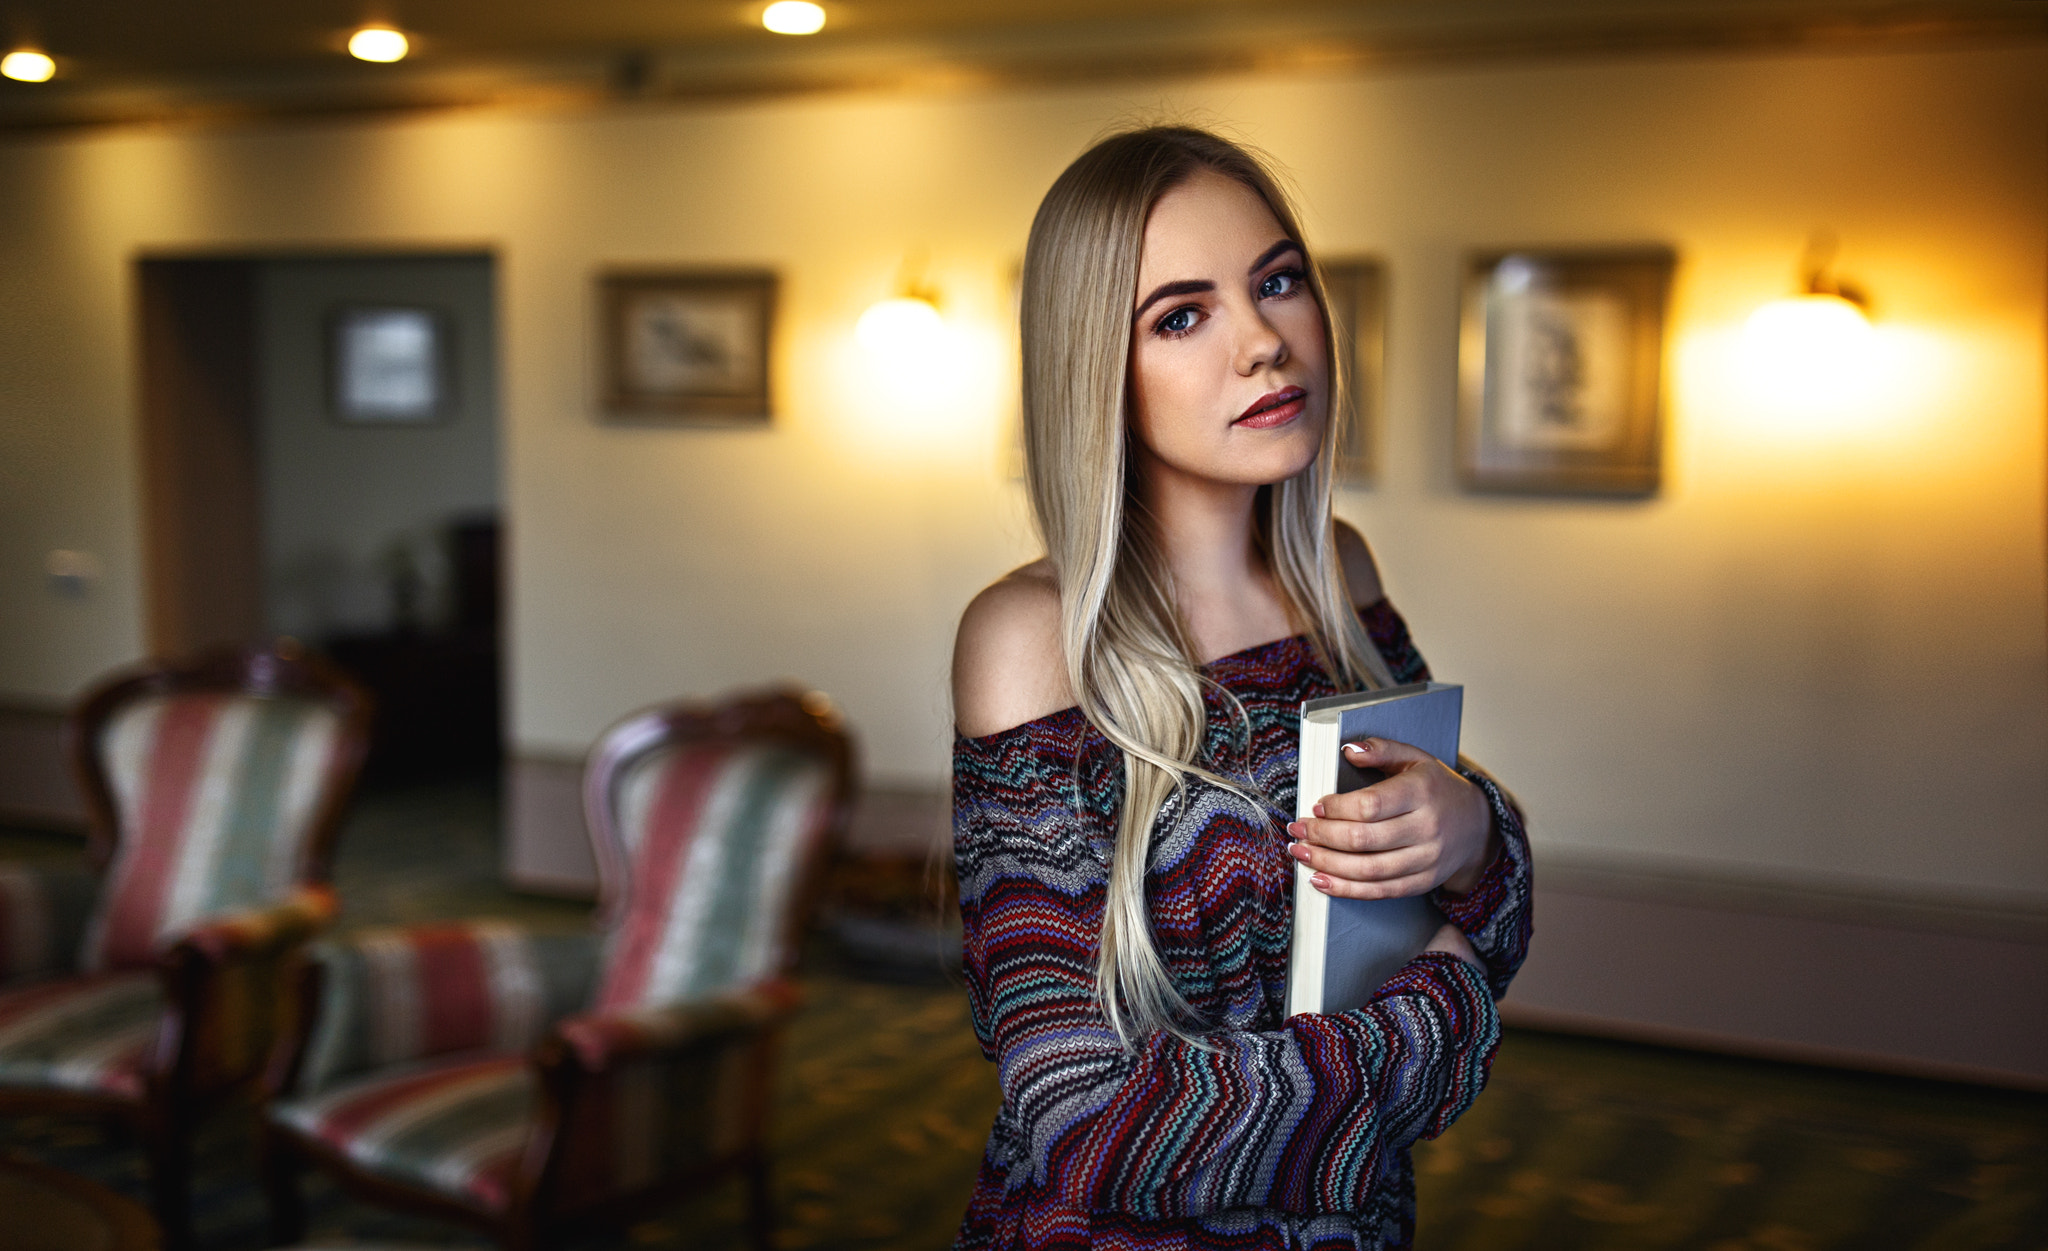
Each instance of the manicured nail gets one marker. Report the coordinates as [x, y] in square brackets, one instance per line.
[1298, 851]
[1296, 829]
[1357, 748]
[1319, 809]
[1318, 881]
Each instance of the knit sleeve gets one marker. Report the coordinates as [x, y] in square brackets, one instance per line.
[1300, 1118]
[1497, 914]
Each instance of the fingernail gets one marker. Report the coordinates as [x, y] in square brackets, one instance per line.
[1295, 829]
[1358, 748]
[1298, 851]
[1319, 808]
[1318, 881]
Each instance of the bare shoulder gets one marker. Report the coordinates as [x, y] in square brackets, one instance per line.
[1360, 571]
[1007, 665]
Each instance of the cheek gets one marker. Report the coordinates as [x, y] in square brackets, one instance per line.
[1167, 391]
[1302, 326]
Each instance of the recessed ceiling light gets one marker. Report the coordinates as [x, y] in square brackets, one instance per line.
[24, 65]
[793, 17]
[378, 43]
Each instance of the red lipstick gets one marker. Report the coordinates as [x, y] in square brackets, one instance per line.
[1274, 409]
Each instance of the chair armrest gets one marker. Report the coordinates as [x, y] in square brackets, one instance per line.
[259, 933]
[228, 986]
[596, 1041]
[633, 1102]
[399, 993]
[44, 910]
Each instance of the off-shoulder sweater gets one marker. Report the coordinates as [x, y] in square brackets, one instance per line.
[1282, 1132]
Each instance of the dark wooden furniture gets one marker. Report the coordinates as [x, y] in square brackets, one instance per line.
[46, 1209]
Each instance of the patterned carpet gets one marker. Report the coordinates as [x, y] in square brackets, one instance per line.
[1577, 1143]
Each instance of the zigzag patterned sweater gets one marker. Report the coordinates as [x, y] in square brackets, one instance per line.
[1287, 1132]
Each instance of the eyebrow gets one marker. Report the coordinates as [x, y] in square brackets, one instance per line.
[1197, 286]
[1273, 253]
[1187, 286]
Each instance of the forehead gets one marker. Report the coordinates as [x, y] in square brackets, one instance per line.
[1207, 227]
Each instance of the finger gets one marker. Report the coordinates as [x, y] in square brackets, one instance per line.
[1382, 801]
[1359, 836]
[1384, 753]
[1377, 866]
[1398, 888]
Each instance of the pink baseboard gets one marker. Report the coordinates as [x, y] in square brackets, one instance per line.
[546, 850]
[1934, 989]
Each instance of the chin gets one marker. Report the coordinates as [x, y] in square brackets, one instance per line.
[1271, 466]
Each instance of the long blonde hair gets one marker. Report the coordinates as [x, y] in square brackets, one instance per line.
[1129, 654]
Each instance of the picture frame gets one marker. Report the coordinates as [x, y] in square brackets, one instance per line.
[688, 346]
[1560, 370]
[390, 365]
[1355, 292]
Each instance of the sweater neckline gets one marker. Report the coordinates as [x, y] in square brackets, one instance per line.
[1064, 717]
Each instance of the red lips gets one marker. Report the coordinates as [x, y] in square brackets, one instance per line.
[1276, 408]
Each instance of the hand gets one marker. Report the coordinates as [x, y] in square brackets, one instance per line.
[1420, 827]
[1449, 938]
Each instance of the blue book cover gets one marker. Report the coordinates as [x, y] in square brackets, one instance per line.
[1345, 948]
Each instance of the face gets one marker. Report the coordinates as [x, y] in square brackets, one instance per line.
[1229, 369]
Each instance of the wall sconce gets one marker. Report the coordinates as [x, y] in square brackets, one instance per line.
[380, 43]
[907, 325]
[1814, 349]
[28, 65]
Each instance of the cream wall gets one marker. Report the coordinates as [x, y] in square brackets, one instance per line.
[1814, 655]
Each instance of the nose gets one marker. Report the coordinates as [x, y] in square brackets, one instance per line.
[1260, 347]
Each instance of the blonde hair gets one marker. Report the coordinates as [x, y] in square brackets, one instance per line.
[1129, 655]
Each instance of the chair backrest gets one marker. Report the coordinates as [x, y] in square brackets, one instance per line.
[212, 786]
[711, 825]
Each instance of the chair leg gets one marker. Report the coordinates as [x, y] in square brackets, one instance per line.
[282, 1168]
[168, 1140]
[760, 1204]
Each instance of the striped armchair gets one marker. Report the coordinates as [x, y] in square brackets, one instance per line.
[214, 789]
[529, 1084]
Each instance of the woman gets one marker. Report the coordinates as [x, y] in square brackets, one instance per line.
[1127, 711]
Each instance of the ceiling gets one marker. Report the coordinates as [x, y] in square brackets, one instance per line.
[149, 60]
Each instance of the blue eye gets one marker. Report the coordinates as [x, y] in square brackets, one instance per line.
[1178, 322]
[1285, 282]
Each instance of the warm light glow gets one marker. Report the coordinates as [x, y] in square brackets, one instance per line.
[793, 17]
[25, 66]
[378, 43]
[901, 330]
[1809, 353]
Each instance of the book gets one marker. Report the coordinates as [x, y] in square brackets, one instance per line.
[1343, 949]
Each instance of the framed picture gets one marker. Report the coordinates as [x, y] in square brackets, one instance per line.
[1357, 292]
[1560, 371]
[390, 365]
[688, 346]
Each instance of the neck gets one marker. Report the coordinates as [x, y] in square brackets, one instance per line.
[1222, 587]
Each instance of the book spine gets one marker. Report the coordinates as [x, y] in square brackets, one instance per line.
[1311, 937]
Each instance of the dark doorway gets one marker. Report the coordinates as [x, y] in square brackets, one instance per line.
[280, 501]
[201, 498]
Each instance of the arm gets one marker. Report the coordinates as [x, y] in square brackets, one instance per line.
[630, 1100]
[1300, 1118]
[223, 981]
[1496, 912]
